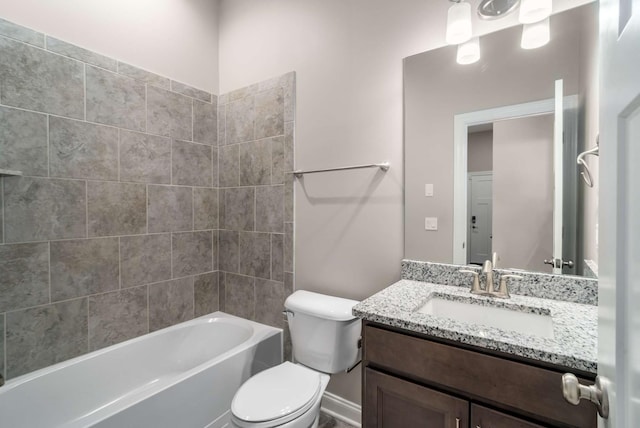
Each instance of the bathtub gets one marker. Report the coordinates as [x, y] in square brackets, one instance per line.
[179, 377]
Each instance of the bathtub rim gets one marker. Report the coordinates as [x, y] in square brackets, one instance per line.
[259, 332]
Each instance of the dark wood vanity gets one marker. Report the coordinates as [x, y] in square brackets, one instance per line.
[413, 380]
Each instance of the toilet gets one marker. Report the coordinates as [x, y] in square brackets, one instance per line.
[324, 336]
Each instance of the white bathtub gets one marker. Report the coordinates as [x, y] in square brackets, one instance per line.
[179, 377]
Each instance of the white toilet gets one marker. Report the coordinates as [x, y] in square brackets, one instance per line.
[324, 335]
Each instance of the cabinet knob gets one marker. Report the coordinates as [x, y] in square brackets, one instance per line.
[598, 394]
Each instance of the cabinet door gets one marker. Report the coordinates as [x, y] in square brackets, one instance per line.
[481, 417]
[391, 402]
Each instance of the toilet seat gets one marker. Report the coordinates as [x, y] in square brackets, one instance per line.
[276, 396]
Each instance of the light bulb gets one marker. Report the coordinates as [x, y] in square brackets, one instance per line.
[534, 10]
[459, 23]
[469, 52]
[535, 35]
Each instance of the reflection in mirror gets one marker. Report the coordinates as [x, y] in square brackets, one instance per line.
[507, 185]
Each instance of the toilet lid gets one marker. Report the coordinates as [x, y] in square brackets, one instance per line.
[284, 391]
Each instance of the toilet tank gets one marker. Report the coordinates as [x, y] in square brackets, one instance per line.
[324, 333]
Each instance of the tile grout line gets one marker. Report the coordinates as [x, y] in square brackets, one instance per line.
[48, 148]
[84, 81]
[49, 268]
[119, 264]
[86, 208]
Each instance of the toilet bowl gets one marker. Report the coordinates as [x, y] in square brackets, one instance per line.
[324, 338]
[287, 395]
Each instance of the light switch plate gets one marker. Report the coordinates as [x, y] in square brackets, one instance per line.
[431, 223]
[428, 190]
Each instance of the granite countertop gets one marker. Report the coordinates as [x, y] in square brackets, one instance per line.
[574, 343]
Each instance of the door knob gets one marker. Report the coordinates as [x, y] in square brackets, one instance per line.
[598, 394]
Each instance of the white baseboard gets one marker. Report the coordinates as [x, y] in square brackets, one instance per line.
[341, 409]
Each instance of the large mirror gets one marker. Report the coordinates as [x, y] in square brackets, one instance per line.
[491, 148]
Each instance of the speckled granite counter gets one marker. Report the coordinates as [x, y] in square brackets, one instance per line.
[574, 342]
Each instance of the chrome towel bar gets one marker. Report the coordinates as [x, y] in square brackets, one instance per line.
[384, 166]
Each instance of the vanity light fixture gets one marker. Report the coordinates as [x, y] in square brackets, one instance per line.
[532, 11]
[458, 22]
[469, 52]
[535, 35]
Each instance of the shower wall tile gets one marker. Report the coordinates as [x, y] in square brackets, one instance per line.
[170, 209]
[240, 120]
[288, 197]
[145, 158]
[239, 299]
[255, 163]
[229, 251]
[45, 335]
[116, 208]
[277, 160]
[169, 114]
[239, 208]
[23, 141]
[269, 113]
[145, 259]
[222, 123]
[83, 267]
[277, 256]
[117, 316]
[115, 100]
[215, 170]
[271, 296]
[192, 164]
[2, 347]
[288, 247]
[34, 79]
[39, 209]
[205, 208]
[190, 91]
[288, 146]
[143, 75]
[205, 288]
[192, 253]
[82, 150]
[270, 209]
[20, 33]
[289, 84]
[255, 254]
[229, 165]
[24, 276]
[170, 303]
[205, 122]
[1, 213]
[81, 54]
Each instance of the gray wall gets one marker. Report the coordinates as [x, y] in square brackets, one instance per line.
[111, 232]
[523, 192]
[437, 88]
[480, 151]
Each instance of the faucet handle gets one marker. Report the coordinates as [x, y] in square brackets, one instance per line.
[503, 291]
[475, 288]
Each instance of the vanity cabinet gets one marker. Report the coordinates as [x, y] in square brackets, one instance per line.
[413, 380]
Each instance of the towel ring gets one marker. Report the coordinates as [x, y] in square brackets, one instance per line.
[586, 173]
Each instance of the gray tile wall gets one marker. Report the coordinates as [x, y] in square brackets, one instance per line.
[112, 232]
[256, 143]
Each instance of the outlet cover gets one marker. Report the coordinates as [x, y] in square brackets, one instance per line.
[431, 223]
[428, 190]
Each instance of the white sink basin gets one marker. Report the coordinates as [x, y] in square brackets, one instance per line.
[488, 317]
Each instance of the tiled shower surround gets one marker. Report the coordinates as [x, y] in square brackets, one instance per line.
[113, 230]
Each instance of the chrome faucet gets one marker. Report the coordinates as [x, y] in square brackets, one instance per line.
[487, 268]
[489, 290]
